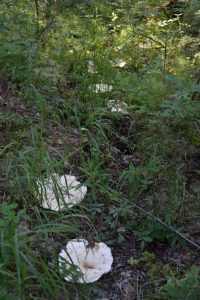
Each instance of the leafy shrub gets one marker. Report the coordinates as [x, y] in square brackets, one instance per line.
[149, 231]
[186, 288]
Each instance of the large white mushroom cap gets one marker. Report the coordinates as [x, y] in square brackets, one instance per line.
[57, 192]
[91, 262]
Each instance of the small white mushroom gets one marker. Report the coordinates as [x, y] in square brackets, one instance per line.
[101, 88]
[118, 106]
[58, 193]
[120, 63]
[92, 263]
[91, 67]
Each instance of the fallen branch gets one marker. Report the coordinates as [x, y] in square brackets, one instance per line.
[142, 210]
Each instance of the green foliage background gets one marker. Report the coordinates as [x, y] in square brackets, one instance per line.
[148, 157]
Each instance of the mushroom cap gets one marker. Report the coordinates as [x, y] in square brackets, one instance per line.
[101, 88]
[91, 67]
[92, 262]
[118, 106]
[120, 63]
[60, 192]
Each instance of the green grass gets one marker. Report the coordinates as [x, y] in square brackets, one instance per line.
[53, 122]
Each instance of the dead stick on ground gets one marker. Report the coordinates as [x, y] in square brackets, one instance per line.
[167, 226]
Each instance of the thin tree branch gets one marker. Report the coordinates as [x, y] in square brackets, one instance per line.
[150, 38]
[51, 21]
[164, 62]
[143, 211]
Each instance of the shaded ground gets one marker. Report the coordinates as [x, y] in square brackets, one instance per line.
[127, 281]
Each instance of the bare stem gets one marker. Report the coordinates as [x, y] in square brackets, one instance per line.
[165, 61]
[143, 211]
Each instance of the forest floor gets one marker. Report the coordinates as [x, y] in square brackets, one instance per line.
[146, 254]
[108, 93]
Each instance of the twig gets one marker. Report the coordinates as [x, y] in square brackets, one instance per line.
[142, 210]
[150, 38]
[164, 62]
[48, 26]
[56, 14]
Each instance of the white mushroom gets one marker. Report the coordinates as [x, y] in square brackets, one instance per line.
[91, 67]
[120, 63]
[91, 263]
[118, 106]
[57, 192]
[101, 88]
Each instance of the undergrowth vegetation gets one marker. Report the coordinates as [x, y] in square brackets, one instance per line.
[62, 66]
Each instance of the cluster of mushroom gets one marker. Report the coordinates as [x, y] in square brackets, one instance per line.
[58, 193]
[113, 105]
